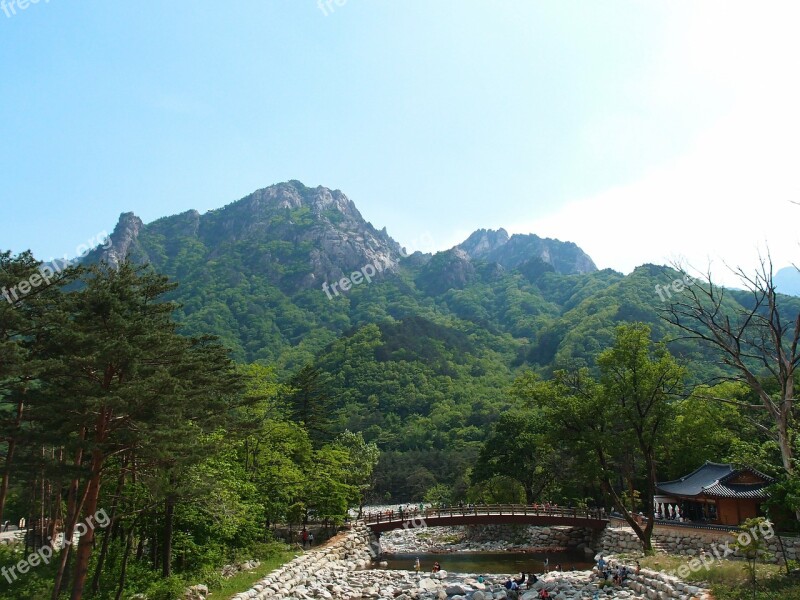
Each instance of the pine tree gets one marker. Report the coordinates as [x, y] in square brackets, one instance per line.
[310, 404]
[120, 378]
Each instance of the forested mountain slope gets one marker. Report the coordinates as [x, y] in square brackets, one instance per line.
[419, 351]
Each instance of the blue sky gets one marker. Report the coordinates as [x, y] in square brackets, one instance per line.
[643, 131]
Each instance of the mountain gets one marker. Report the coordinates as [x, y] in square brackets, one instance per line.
[418, 351]
[787, 281]
[299, 237]
[511, 252]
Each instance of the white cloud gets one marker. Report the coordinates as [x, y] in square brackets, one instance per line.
[729, 196]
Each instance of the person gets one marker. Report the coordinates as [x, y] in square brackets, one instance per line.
[310, 539]
[532, 579]
[481, 579]
[546, 562]
[436, 567]
[507, 584]
[521, 579]
[417, 565]
[638, 567]
[304, 536]
[544, 593]
[601, 564]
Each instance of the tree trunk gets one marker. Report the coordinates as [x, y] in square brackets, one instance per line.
[12, 444]
[74, 506]
[126, 556]
[107, 533]
[169, 520]
[90, 505]
[86, 540]
[643, 535]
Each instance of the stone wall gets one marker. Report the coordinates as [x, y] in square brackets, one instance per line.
[309, 574]
[690, 542]
[660, 586]
[530, 536]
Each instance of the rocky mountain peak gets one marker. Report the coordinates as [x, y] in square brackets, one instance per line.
[511, 252]
[123, 240]
[484, 241]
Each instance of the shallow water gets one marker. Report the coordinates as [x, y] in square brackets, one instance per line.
[490, 562]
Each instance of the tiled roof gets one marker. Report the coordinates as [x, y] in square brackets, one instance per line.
[711, 479]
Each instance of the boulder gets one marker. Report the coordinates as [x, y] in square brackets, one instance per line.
[454, 590]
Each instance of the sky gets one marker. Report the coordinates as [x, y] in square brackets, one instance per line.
[642, 131]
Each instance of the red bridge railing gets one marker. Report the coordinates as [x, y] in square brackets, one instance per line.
[555, 512]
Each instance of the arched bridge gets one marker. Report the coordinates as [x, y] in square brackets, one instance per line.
[517, 514]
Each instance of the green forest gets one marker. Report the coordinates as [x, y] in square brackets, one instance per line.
[196, 403]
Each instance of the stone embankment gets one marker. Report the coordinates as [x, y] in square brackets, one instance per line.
[310, 575]
[487, 538]
[336, 571]
[692, 542]
[660, 586]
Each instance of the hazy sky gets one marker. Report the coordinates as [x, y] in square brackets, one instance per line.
[642, 131]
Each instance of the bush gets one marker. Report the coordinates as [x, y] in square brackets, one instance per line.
[171, 588]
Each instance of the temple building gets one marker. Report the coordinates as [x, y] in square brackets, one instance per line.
[718, 494]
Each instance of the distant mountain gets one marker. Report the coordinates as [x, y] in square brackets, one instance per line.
[510, 252]
[787, 281]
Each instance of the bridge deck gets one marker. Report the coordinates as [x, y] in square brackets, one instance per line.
[486, 515]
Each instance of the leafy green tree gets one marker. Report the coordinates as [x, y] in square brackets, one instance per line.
[640, 381]
[499, 489]
[439, 494]
[618, 424]
[520, 447]
[363, 457]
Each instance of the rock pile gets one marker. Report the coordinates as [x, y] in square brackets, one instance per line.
[336, 583]
[229, 571]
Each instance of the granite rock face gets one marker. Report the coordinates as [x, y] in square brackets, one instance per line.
[511, 252]
[297, 237]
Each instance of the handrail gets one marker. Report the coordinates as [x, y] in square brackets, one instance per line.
[485, 509]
